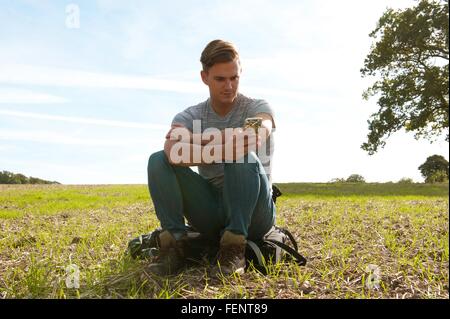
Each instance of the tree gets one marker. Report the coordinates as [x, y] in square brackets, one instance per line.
[435, 169]
[438, 177]
[20, 179]
[6, 177]
[405, 180]
[11, 178]
[411, 56]
[355, 178]
[337, 180]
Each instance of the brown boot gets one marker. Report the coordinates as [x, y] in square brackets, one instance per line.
[170, 258]
[231, 257]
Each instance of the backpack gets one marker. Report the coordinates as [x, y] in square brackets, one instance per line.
[276, 246]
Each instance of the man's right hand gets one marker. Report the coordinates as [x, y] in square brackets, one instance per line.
[240, 144]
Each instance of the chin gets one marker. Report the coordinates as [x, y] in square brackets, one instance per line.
[229, 99]
[225, 99]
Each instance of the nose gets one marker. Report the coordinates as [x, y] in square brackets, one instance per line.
[228, 84]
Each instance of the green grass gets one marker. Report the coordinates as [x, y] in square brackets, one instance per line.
[341, 229]
[364, 189]
[18, 200]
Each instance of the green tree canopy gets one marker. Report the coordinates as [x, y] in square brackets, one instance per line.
[410, 58]
[337, 180]
[11, 178]
[355, 178]
[405, 180]
[435, 169]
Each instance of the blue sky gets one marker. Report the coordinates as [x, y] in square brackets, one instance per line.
[88, 105]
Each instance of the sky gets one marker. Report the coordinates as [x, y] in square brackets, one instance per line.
[88, 89]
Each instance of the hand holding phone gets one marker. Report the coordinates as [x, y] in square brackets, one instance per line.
[254, 122]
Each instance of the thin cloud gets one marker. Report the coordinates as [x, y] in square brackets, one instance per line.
[20, 74]
[53, 138]
[18, 96]
[83, 120]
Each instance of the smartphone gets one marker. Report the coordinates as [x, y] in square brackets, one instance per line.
[254, 122]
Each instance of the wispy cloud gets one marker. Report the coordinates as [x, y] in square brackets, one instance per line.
[41, 136]
[19, 96]
[20, 74]
[83, 120]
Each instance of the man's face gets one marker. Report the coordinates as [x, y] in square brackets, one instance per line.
[223, 81]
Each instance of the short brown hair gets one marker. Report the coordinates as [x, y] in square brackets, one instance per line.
[218, 51]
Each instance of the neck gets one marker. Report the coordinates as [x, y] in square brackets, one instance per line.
[222, 109]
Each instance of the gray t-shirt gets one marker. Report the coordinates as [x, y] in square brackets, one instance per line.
[244, 107]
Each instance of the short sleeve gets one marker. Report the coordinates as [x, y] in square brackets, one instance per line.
[188, 116]
[184, 118]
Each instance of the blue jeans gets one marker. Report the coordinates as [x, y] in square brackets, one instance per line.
[244, 205]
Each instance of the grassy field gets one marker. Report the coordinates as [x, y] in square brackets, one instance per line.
[349, 234]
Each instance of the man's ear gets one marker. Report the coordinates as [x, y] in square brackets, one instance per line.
[204, 75]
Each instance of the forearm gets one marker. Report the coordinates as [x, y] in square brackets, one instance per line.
[217, 139]
[200, 139]
[189, 154]
[180, 133]
[205, 138]
[212, 147]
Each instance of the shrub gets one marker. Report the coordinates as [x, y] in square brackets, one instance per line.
[355, 178]
[435, 169]
[405, 180]
[337, 180]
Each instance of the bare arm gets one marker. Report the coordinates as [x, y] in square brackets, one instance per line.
[189, 150]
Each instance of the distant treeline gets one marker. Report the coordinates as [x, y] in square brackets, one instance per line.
[11, 178]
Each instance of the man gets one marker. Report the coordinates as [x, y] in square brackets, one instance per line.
[230, 199]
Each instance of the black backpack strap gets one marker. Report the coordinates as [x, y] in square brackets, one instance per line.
[294, 253]
[291, 237]
[275, 193]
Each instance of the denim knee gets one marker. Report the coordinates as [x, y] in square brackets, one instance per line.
[156, 162]
[250, 163]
